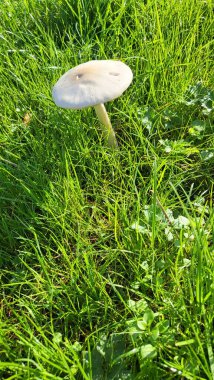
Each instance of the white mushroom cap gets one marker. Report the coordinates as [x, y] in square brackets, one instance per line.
[92, 83]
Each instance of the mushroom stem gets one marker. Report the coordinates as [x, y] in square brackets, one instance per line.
[106, 125]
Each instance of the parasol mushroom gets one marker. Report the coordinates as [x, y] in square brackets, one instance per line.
[92, 84]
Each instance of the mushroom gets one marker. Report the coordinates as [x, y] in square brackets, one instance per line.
[92, 84]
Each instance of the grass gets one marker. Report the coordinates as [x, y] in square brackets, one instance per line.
[107, 257]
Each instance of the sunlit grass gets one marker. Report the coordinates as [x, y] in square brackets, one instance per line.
[107, 257]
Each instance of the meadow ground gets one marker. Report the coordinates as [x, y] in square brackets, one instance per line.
[107, 257]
